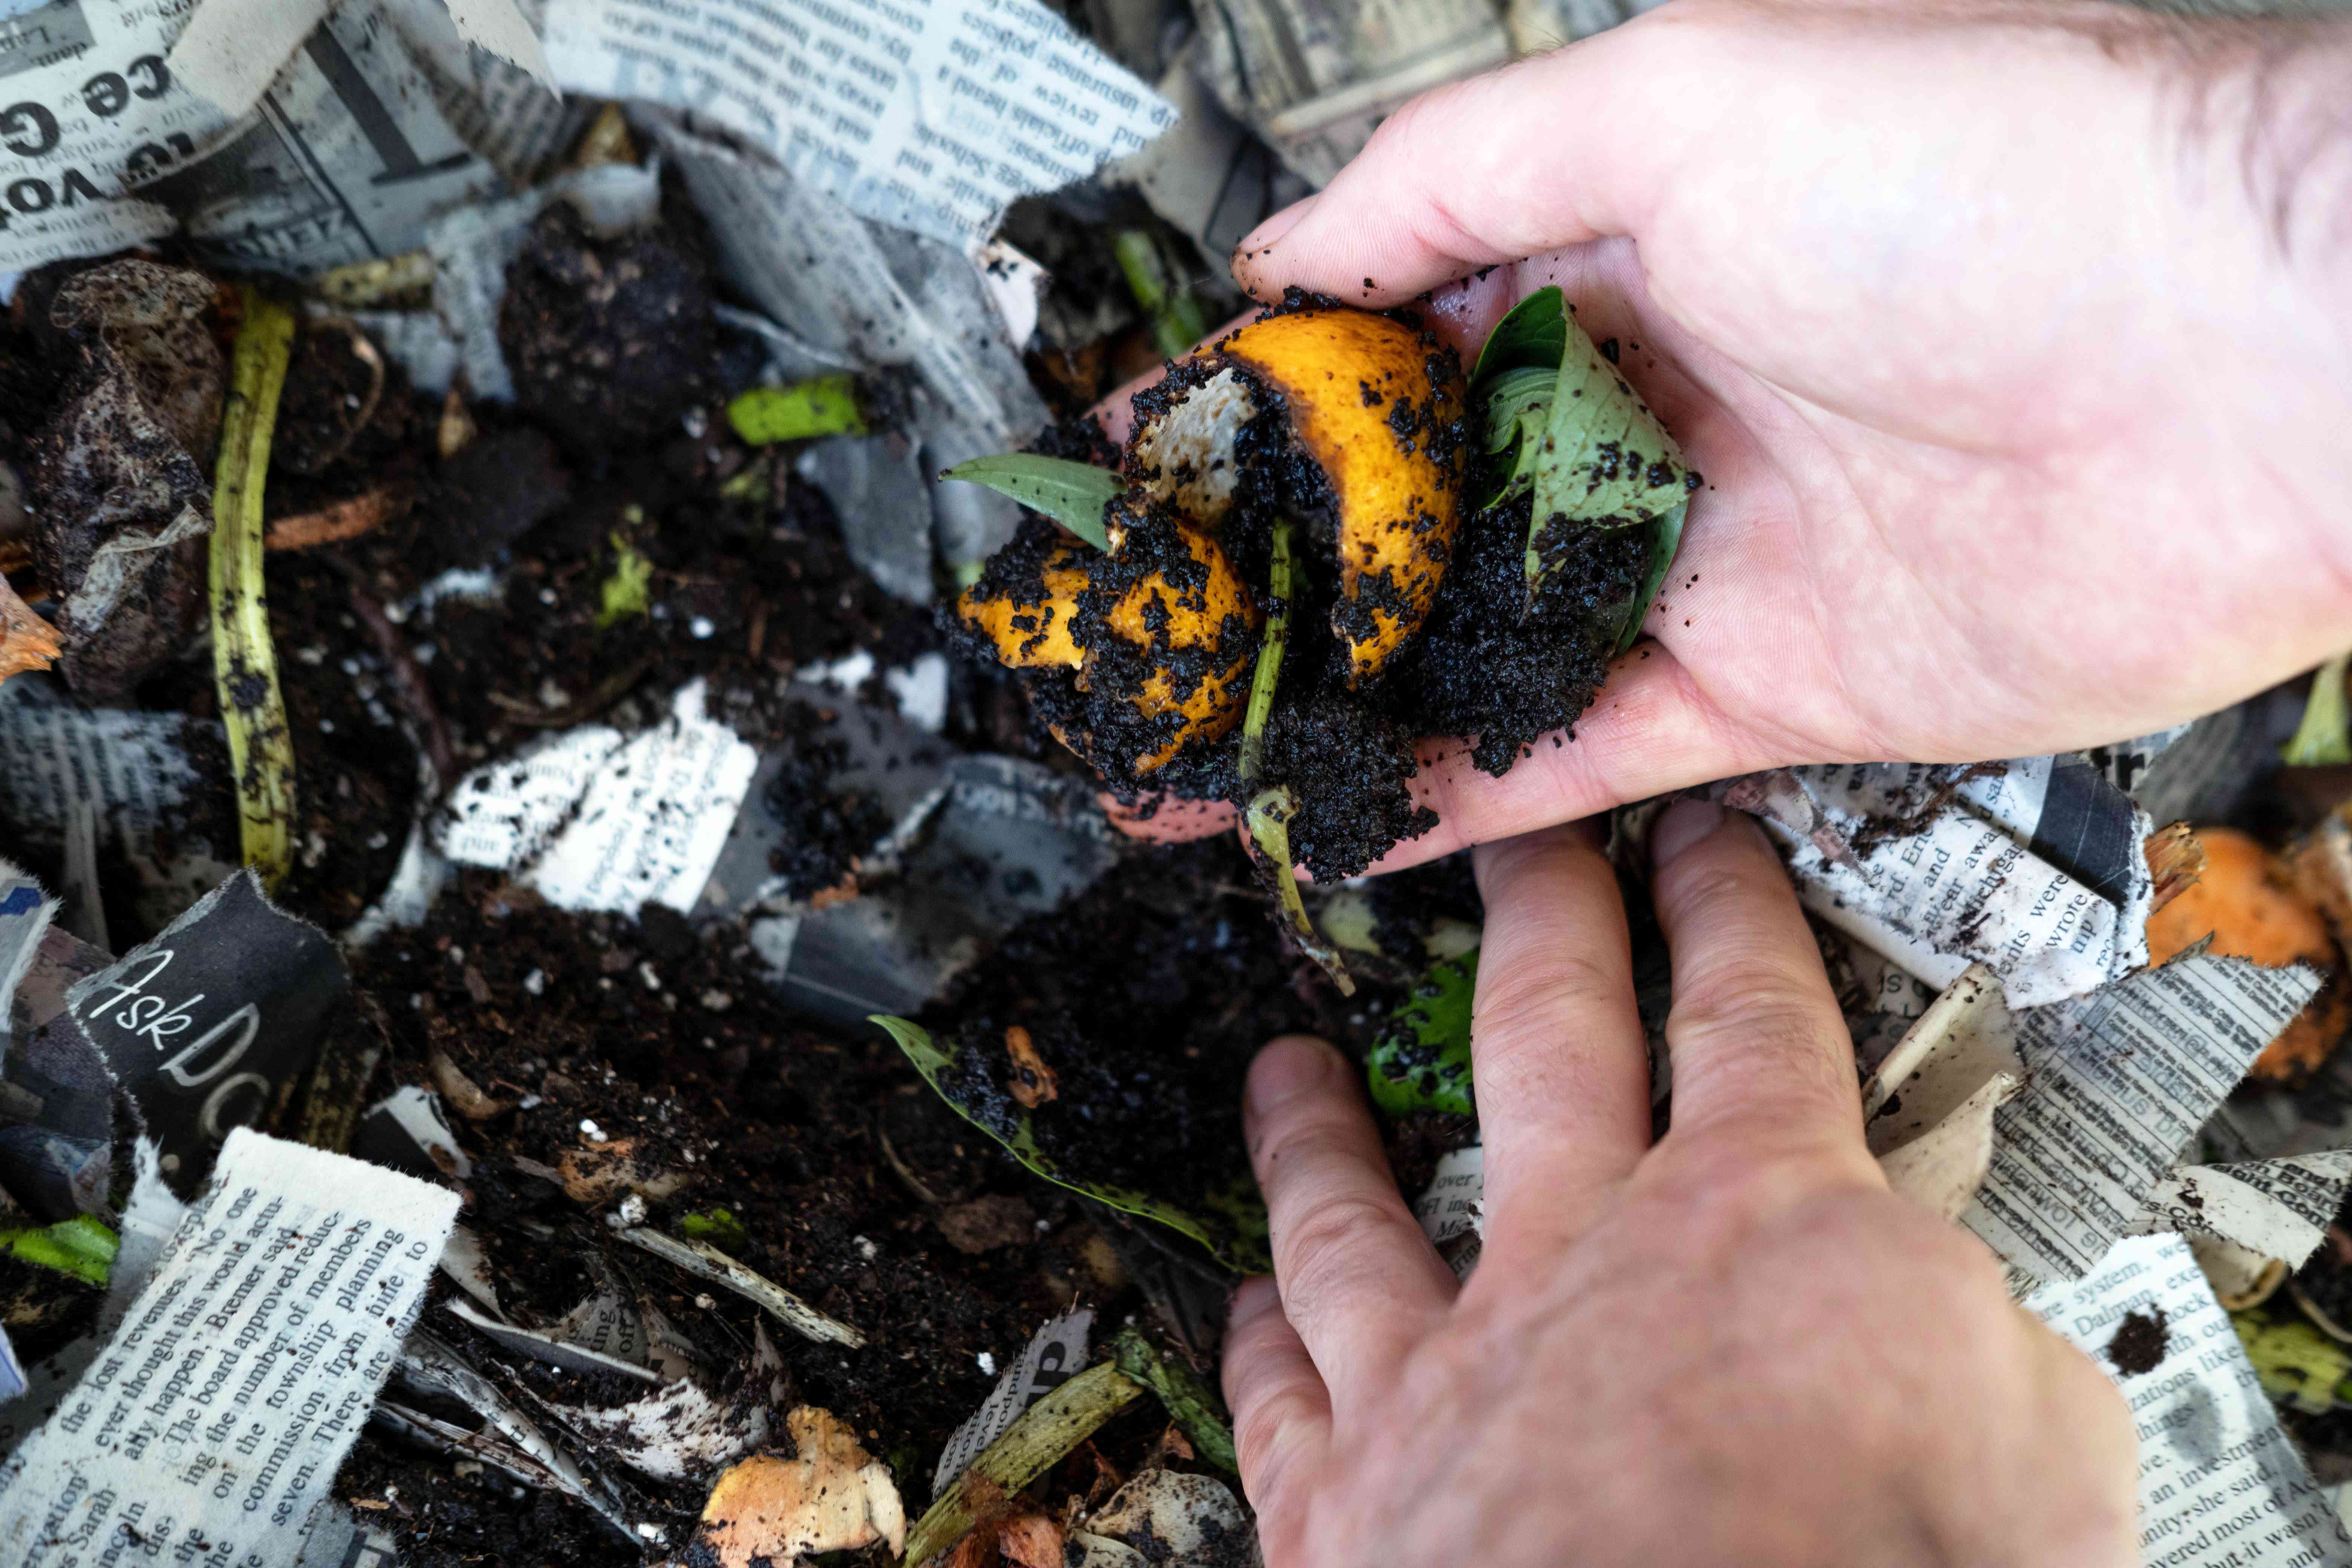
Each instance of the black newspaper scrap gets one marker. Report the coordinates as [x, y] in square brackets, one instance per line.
[213, 1024]
[57, 1097]
[154, 788]
[1010, 840]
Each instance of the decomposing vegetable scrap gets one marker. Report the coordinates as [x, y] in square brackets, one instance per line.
[1297, 500]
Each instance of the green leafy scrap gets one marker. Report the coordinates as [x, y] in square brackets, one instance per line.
[826, 406]
[718, 1227]
[81, 1247]
[2324, 739]
[1190, 1402]
[1422, 1061]
[1230, 1221]
[629, 590]
[1072, 494]
[2296, 1363]
[1561, 422]
[1177, 323]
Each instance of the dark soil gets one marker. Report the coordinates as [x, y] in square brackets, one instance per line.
[608, 340]
[2141, 1342]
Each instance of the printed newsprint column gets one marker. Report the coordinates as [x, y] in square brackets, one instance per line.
[211, 1426]
[2035, 871]
[2220, 1484]
[82, 84]
[2117, 1084]
[1056, 1354]
[930, 118]
[597, 820]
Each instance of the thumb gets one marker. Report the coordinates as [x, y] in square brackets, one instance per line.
[1554, 151]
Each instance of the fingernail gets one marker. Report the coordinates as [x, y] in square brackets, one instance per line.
[1271, 230]
[1684, 823]
[1286, 1069]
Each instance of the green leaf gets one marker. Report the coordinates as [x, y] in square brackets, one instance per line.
[1230, 1221]
[1422, 1061]
[1517, 404]
[629, 590]
[1072, 494]
[1534, 335]
[1665, 538]
[1603, 462]
[2324, 736]
[1190, 1402]
[1176, 320]
[719, 1228]
[826, 406]
[81, 1247]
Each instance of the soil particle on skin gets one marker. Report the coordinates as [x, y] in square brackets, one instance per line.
[608, 340]
[2141, 1342]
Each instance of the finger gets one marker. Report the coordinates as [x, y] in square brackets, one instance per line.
[1282, 1416]
[1757, 1039]
[1167, 819]
[1360, 1281]
[1567, 147]
[1558, 1057]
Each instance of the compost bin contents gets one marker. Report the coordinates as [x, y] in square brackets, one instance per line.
[513, 711]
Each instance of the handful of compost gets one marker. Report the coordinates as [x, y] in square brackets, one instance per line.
[1320, 544]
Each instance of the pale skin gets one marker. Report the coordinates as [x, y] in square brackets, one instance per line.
[2015, 343]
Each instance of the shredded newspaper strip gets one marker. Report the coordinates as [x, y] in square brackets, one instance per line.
[213, 1422]
[2220, 1484]
[1056, 1354]
[2033, 869]
[2118, 1084]
[598, 820]
[1452, 1209]
[930, 119]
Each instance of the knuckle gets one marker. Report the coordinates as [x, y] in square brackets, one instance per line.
[1548, 987]
[1318, 1255]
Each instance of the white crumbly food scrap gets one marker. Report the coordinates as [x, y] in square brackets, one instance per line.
[2220, 1485]
[212, 1424]
[597, 820]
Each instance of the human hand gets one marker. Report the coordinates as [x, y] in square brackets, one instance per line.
[1734, 1347]
[2014, 342]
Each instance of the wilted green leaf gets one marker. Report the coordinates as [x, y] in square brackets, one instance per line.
[1665, 538]
[1229, 1220]
[81, 1247]
[2324, 736]
[1422, 1061]
[1072, 494]
[826, 406]
[2297, 1364]
[629, 590]
[720, 1228]
[1189, 1403]
[1533, 335]
[1039, 1438]
[1591, 449]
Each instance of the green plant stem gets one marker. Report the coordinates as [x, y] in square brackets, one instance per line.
[1268, 819]
[1032, 1444]
[1269, 652]
[1176, 320]
[1189, 1402]
[2324, 736]
[244, 660]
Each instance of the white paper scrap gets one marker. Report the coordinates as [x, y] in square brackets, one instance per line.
[2220, 1485]
[597, 820]
[1452, 1209]
[2017, 870]
[2117, 1083]
[2278, 1208]
[1056, 1354]
[931, 120]
[230, 48]
[212, 1425]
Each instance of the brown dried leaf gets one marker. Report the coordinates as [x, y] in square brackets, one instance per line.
[27, 641]
[592, 1176]
[1030, 1541]
[2176, 859]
